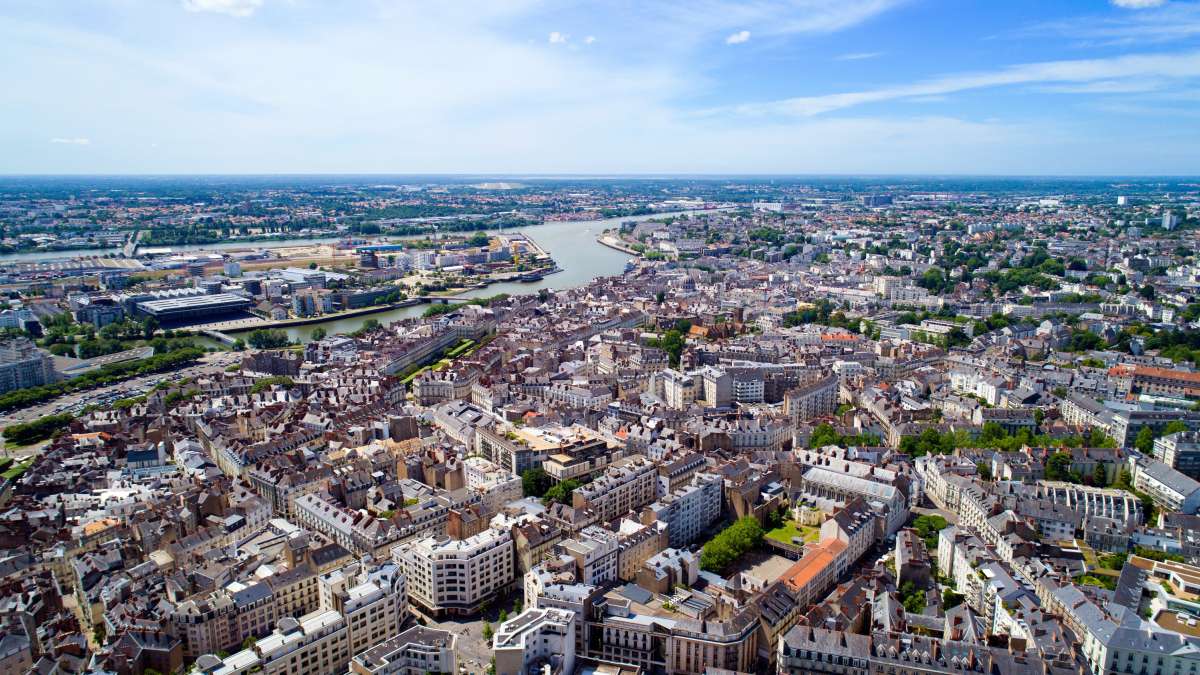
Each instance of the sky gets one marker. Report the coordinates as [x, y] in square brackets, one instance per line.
[1003, 87]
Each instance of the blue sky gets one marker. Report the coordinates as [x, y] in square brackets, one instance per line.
[614, 86]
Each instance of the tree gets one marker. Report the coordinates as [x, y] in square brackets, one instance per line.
[1058, 466]
[535, 482]
[249, 642]
[503, 615]
[720, 551]
[1174, 427]
[312, 265]
[984, 470]
[561, 492]
[268, 338]
[149, 327]
[318, 333]
[660, 297]
[1145, 440]
[370, 325]
[487, 631]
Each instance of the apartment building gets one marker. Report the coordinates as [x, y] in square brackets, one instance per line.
[812, 400]
[23, 365]
[627, 485]
[416, 651]
[314, 644]
[1180, 451]
[536, 640]
[373, 602]
[456, 577]
[357, 531]
[689, 511]
[1168, 488]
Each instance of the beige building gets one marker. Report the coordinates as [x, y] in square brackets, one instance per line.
[457, 577]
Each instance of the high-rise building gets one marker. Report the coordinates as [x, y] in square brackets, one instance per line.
[23, 365]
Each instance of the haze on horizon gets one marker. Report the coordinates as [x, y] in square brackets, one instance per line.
[1095, 87]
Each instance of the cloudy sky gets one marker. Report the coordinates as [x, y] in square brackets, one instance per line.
[610, 86]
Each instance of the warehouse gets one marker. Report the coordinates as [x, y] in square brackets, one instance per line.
[173, 310]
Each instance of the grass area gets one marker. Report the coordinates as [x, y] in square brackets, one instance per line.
[16, 471]
[790, 529]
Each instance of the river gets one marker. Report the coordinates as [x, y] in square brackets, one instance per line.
[572, 244]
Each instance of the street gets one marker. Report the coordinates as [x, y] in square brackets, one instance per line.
[209, 363]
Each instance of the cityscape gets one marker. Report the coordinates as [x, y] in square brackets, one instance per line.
[741, 337]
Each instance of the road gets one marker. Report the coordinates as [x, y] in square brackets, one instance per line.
[209, 363]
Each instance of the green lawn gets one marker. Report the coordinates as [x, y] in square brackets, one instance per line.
[790, 529]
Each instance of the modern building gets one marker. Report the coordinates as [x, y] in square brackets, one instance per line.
[1180, 451]
[416, 651]
[23, 365]
[187, 308]
[689, 511]
[457, 577]
[1168, 488]
[536, 641]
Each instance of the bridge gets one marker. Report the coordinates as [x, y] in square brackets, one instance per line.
[224, 338]
[441, 299]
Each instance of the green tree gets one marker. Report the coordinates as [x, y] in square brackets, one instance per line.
[720, 551]
[268, 338]
[370, 325]
[318, 333]
[1058, 466]
[535, 482]
[561, 492]
[1145, 440]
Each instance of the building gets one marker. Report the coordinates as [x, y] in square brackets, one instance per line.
[314, 644]
[1168, 488]
[536, 640]
[187, 308]
[689, 511]
[1180, 451]
[457, 577]
[374, 603]
[416, 651]
[812, 400]
[23, 365]
[627, 485]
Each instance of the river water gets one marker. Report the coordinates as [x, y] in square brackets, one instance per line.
[572, 244]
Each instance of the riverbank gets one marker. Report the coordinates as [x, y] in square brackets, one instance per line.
[617, 245]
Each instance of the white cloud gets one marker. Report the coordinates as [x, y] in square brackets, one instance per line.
[71, 141]
[591, 39]
[238, 8]
[738, 37]
[1138, 4]
[557, 38]
[1177, 66]
[858, 56]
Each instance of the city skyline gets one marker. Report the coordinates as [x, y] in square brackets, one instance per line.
[812, 87]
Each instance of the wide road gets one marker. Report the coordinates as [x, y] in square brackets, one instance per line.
[211, 362]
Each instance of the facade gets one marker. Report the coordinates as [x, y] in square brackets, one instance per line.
[448, 576]
[23, 365]
[536, 640]
[1168, 488]
[689, 511]
[1180, 451]
[416, 651]
[627, 485]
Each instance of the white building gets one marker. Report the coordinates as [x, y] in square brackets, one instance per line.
[689, 511]
[535, 639]
[416, 651]
[449, 576]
